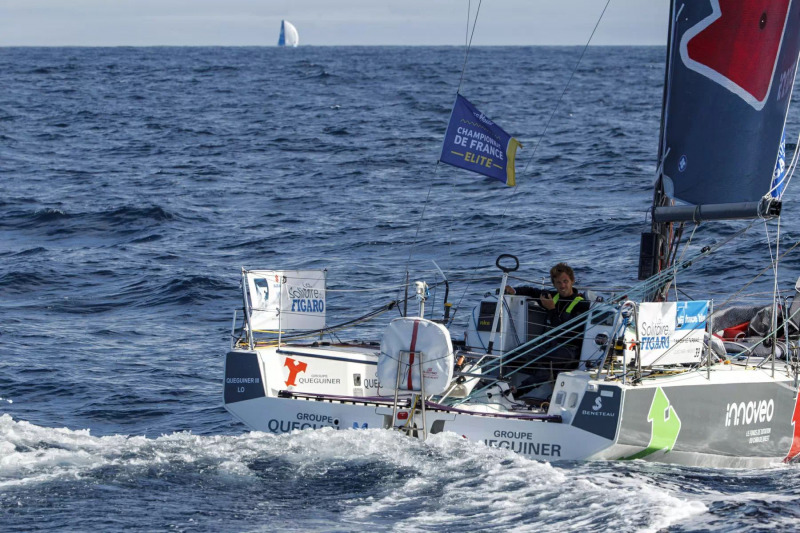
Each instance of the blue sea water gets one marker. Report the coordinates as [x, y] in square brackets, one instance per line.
[135, 184]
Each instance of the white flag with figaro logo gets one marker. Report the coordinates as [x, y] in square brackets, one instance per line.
[286, 299]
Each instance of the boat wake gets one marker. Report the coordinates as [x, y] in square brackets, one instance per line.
[359, 478]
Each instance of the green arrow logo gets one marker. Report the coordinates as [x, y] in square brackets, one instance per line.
[664, 426]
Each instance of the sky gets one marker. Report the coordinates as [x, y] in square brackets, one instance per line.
[328, 22]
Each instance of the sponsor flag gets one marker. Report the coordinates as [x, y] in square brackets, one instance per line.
[473, 142]
[286, 299]
[671, 332]
[779, 175]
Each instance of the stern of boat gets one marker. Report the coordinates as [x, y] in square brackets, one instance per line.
[244, 381]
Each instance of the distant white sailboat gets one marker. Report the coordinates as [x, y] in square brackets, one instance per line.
[289, 36]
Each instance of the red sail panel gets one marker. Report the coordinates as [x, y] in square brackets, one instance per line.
[742, 44]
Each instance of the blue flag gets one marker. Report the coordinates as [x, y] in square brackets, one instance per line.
[779, 175]
[473, 142]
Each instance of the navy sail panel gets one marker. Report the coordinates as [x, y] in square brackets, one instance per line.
[282, 36]
[733, 64]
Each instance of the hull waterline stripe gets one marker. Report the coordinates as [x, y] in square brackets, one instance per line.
[383, 400]
[328, 357]
[387, 401]
[543, 417]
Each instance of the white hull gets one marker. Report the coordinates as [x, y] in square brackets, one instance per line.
[728, 417]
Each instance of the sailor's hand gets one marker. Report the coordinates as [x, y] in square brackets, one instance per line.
[547, 301]
[510, 290]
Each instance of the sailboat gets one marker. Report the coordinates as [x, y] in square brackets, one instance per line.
[289, 35]
[659, 379]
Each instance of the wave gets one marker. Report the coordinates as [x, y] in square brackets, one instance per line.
[177, 291]
[31, 251]
[57, 220]
[225, 69]
[21, 282]
[367, 477]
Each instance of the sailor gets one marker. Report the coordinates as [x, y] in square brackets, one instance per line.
[564, 350]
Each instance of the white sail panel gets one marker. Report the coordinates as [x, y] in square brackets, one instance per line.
[286, 299]
[289, 35]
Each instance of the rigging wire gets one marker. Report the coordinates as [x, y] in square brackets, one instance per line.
[732, 296]
[772, 258]
[555, 109]
[468, 42]
[469, 36]
[564, 91]
[419, 225]
[636, 292]
[775, 291]
[468, 45]
[332, 329]
[775, 324]
[680, 259]
[642, 288]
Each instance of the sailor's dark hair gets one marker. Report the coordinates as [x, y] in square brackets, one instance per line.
[562, 268]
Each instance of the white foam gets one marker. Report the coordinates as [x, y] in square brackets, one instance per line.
[498, 488]
[443, 480]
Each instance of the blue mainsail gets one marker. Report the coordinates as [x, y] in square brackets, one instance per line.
[731, 71]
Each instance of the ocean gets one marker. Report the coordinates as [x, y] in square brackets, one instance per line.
[137, 182]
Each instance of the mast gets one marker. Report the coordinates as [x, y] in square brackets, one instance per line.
[652, 246]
